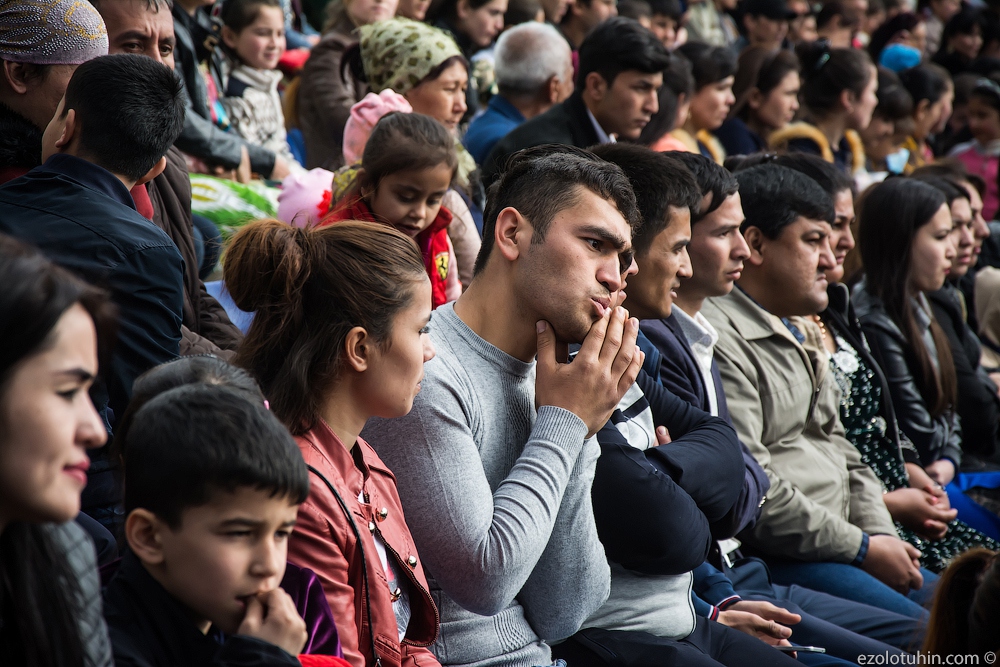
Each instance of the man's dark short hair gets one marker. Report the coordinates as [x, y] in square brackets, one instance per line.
[618, 45]
[130, 110]
[659, 181]
[670, 8]
[195, 441]
[543, 180]
[711, 179]
[775, 197]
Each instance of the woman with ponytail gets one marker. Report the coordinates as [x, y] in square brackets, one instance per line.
[838, 98]
[51, 325]
[907, 246]
[339, 336]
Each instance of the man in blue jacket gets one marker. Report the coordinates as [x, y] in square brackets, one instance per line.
[119, 117]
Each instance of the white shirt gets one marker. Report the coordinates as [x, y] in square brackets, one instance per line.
[602, 136]
[702, 337]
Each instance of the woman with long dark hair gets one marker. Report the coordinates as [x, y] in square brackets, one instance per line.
[907, 245]
[50, 326]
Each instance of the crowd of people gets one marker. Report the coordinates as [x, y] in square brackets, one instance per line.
[577, 333]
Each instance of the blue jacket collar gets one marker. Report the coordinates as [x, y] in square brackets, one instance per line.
[90, 176]
[503, 107]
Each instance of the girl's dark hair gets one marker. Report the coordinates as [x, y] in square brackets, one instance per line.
[966, 22]
[950, 188]
[884, 33]
[448, 9]
[199, 369]
[988, 91]
[238, 14]
[827, 72]
[889, 216]
[924, 82]
[966, 606]
[402, 142]
[709, 64]
[308, 288]
[761, 69]
[677, 80]
[894, 101]
[39, 594]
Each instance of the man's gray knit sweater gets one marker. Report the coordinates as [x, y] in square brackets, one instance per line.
[497, 498]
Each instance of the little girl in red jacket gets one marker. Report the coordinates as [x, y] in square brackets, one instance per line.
[407, 167]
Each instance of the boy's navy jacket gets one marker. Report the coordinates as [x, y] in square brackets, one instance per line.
[83, 218]
[149, 628]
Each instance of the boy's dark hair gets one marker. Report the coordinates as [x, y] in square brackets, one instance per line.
[635, 9]
[709, 64]
[543, 180]
[832, 180]
[775, 197]
[130, 110]
[659, 181]
[618, 45]
[711, 179]
[197, 440]
[671, 8]
[238, 14]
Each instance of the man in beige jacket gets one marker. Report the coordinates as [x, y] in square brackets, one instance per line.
[824, 524]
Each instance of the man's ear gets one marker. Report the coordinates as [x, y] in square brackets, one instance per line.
[756, 241]
[552, 89]
[143, 532]
[357, 349]
[16, 75]
[595, 85]
[512, 233]
[154, 172]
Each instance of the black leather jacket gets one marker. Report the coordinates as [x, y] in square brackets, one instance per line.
[840, 317]
[934, 437]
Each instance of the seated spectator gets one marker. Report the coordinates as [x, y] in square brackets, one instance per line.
[424, 65]
[637, 10]
[936, 14]
[905, 337]
[981, 156]
[802, 27]
[766, 24]
[473, 24]
[838, 98]
[408, 166]
[667, 21]
[835, 25]
[36, 70]
[583, 16]
[714, 69]
[905, 28]
[77, 210]
[931, 91]
[894, 106]
[205, 369]
[415, 10]
[978, 405]
[664, 131]
[683, 360]
[54, 327]
[766, 89]
[620, 70]
[327, 89]
[147, 28]
[534, 70]
[824, 524]
[967, 601]
[961, 41]
[199, 584]
[500, 489]
[710, 22]
[339, 337]
[692, 481]
[199, 64]
[253, 32]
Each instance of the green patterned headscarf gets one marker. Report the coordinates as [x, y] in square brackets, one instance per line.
[399, 53]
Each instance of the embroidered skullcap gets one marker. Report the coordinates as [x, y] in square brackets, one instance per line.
[51, 32]
[399, 53]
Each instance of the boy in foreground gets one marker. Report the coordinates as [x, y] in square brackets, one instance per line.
[214, 483]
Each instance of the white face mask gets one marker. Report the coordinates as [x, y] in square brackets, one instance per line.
[896, 162]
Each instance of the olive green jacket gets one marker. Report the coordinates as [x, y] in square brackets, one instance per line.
[785, 406]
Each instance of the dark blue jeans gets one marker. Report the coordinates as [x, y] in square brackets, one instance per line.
[853, 583]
